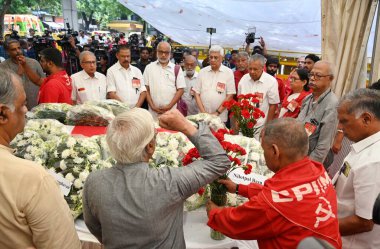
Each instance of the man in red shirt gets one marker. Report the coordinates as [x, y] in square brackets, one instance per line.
[57, 87]
[241, 67]
[299, 201]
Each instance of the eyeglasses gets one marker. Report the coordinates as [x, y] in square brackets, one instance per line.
[214, 58]
[294, 79]
[89, 62]
[163, 52]
[317, 76]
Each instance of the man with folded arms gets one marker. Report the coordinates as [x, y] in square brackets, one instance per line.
[299, 201]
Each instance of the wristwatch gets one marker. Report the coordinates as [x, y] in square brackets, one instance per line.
[217, 111]
[237, 189]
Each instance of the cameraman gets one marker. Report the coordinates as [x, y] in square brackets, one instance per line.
[15, 63]
[258, 49]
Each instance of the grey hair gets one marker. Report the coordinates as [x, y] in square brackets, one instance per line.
[128, 135]
[243, 54]
[330, 66]
[164, 43]
[362, 100]
[84, 53]
[8, 92]
[257, 57]
[289, 134]
[217, 48]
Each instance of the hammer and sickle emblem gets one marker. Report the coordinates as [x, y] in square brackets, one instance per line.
[322, 210]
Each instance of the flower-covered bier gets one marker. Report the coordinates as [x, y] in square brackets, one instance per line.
[214, 122]
[245, 113]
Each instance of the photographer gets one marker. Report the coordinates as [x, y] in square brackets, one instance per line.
[15, 64]
[258, 49]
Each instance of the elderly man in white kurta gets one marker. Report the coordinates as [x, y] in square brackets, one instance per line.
[190, 63]
[124, 81]
[88, 84]
[263, 85]
[215, 84]
[164, 87]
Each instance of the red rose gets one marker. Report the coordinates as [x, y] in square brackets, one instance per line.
[250, 124]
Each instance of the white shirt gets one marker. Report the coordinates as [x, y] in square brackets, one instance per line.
[267, 86]
[127, 83]
[83, 40]
[189, 99]
[86, 88]
[211, 95]
[357, 186]
[162, 85]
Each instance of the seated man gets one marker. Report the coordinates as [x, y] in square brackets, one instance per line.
[33, 213]
[88, 84]
[134, 206]
[299, 201]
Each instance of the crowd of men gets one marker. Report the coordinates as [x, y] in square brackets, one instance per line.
[133, 206]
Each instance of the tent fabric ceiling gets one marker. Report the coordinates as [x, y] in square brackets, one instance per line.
[288, 25]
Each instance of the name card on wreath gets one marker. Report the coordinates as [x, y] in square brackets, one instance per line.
[64, 184]
[238, 176]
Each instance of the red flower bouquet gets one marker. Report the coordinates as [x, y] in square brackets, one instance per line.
[245, 113]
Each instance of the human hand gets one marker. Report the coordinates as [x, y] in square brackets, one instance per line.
[230, 185]
[336, 147]
[174, 120]
[72, 42]
[210, 206]
[21, 59]
[262, 42]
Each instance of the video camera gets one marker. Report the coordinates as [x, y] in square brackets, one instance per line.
[178, 54]
[158, 39]
[42, 42]
[64, 42]
[14, 35]
[133, 42]
[250, 36]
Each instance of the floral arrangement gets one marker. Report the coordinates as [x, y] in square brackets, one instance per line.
[245, 112]
[170, 149]
[115, 106]
[212, 121]
[89, 115]
[51, 111]
[234, 151]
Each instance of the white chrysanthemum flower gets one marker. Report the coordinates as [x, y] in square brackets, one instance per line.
[66, 153]
[78, 160]
[70, 177]
[93, 157]
[21, 143]
[71, 142]
[28, 156]
[83, 175]
[62, 165]
[254, 156]
[78, 183]
[173, 144]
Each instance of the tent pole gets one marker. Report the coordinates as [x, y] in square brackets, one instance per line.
[374, 44]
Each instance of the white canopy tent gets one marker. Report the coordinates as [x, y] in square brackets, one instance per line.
[286, 25]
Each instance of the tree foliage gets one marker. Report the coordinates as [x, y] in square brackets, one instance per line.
[25, 7]
[102, 11]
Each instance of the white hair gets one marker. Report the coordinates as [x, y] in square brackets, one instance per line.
[84, 53]
[8, 93]
[330, 66]
[217, 48]
[128, 135]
